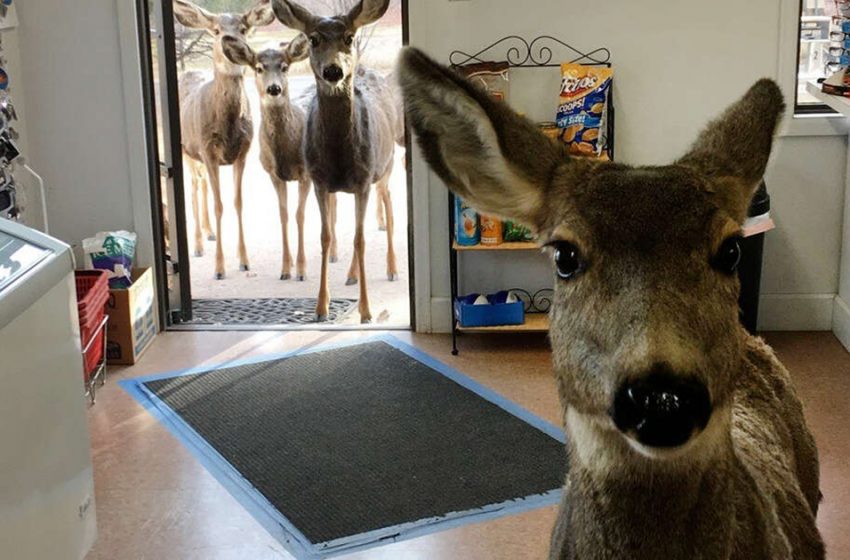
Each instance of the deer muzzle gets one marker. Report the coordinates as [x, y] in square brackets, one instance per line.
[661, 409]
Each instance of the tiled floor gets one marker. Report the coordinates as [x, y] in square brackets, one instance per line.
[154, 501]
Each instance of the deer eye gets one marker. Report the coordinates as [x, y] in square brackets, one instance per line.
[349, 39]
[728, 257]
[284, 67]
[314, 41]
[259, 69]
[568, 260]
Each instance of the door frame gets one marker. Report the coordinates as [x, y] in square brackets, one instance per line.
[138, 88]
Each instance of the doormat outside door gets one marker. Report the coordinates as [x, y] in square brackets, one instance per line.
[345, 447]
[265, 311]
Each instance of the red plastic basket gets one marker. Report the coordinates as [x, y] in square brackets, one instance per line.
[92, 295]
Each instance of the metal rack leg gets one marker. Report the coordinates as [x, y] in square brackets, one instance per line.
[453, 271]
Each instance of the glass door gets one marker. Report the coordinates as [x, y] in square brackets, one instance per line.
[156, 40]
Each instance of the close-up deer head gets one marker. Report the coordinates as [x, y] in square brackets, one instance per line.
[223, 25]
[645, 331]
[270, 66]
[333, 50]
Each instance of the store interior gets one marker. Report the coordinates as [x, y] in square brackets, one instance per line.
[385, 279]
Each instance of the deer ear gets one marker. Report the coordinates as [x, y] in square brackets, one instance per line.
[496, 160]
[260, 15]
[297, 49]
[367, 11]
[193, 16]
[292, 15]
[734, 149]
[238, 51]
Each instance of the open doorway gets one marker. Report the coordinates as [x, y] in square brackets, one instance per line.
[231, 288]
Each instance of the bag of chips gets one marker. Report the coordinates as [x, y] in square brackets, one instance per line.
[582, 107]
[492, 76]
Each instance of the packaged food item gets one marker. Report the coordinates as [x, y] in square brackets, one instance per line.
[491, 230]
[550, 129]
[467, 226]
[517, 232]
[492, 76]
[113, 252]
[582, 107]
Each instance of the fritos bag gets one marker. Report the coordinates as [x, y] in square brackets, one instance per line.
[582, 107]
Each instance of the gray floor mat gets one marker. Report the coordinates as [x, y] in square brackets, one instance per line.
[359, 438]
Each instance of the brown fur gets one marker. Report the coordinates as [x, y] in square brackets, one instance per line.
[215, 119]
[281, 133]
[350, 132]
[746, 487]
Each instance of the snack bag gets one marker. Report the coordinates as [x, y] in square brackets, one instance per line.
[113, 252]
[517, 232]
[492, 76]
[582, 107]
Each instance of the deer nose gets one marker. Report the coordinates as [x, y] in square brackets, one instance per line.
[274, 90]
[332, 73]
[661, 409]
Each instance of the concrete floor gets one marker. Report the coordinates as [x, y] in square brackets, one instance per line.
[155, 501]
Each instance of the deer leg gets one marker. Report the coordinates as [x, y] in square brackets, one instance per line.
[361, 200]
[384, 192]
[286, 263]
[199, 243]
[332, 211]
[205, 210]
[301, 260]
[379, 207]
[353, 269]
[238, 170]
[212, 173]
[324, 299]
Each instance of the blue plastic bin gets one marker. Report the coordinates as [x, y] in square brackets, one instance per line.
[497, 313]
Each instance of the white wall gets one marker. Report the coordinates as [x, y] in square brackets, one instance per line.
[677, 64]
[74, 117]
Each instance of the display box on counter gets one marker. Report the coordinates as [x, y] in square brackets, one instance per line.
[132, 324]
[495, 313]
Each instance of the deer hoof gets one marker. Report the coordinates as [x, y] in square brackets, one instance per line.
[382, 228]
[366, 321]
[211, 237]
[285, 276]
[392, 276]
[244, 268]
[350, 281]
[321, 318]
[199, 252]
[219, 276]
[333, 259]
[301, 278]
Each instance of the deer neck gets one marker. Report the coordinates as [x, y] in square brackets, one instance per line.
[338, 111]
[680, 507]
[229, 92]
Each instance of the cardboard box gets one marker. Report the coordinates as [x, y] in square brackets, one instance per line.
[131, 327]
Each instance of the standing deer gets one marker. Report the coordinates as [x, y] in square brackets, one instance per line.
[350, 133]
[281, 132]
[215, 119]
[686, 438]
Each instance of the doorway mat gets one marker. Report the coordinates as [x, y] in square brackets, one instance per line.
[351, 446]
[265, 311]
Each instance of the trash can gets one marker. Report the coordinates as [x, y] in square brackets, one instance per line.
[749, 269]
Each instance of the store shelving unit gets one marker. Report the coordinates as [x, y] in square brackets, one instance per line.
[521, 53]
